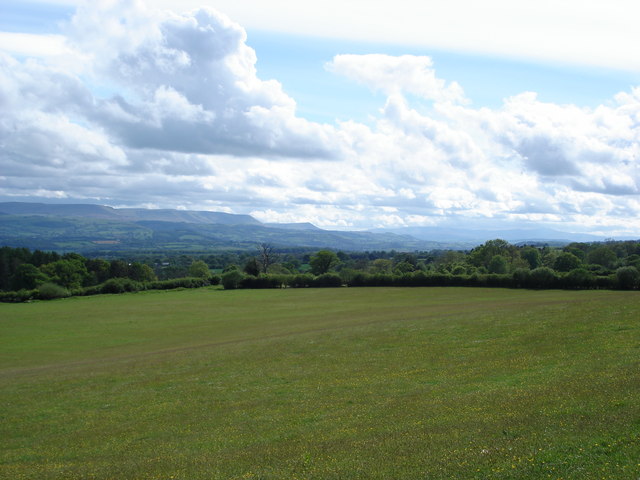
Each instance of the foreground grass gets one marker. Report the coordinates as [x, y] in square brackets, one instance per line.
[322, 384]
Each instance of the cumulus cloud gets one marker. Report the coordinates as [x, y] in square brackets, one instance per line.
[528, 159]
[189, 84]
[183, 83]
[167, 109]
[404, 74]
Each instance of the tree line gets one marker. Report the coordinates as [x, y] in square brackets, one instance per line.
[495, 263]
[26, 275]
[613, 265]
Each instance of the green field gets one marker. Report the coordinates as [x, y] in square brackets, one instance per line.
[344, 383]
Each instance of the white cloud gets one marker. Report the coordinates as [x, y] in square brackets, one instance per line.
[407, 73]
[168, 110]
[30, 45]
[189, 83]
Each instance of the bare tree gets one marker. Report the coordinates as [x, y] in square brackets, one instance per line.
[267, 256]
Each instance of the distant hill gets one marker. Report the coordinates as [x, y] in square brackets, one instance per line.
[293, 226]
[474, 236]
[126, 214]
[100, 229]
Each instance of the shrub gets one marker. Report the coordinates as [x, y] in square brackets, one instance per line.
[358, 280]
[627, 278]
[542, 277]
[184, 282]
[498, 265]
[328, 280]
[22, 295]
[231, 280]
[49, 291]
[92, 290]
[579, 278]
[520, 278]
[498, 280]
[459, 270]
[606, 282]
[121, 285]
[303, 280]
[264, 281]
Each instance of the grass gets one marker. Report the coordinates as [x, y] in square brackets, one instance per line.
[386, 383]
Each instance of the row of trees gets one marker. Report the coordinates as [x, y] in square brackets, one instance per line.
[577, 265]
[625, 278]
[23, 270]
[496, 262]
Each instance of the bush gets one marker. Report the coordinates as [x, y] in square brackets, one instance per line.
[264, 281]
[121, 285]
[92, 290]
[579, 278]
[627, 278]
[50, 291]
[303, 280]
[22, 295]
[231, 280]
[184, 282]
[521, 278]
[214, 280]
[542, 277]
[606, 282]
[327, 280]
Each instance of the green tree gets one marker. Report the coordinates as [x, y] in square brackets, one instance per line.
[99, 269]
[231, 280]
[602, 256]
[628, 278]
[323, 261]
[579, 278]
[403, 267]
[69, 273]
[252, 267]
[532, 256]
[498, 264]
[566, 262]
[481, 256]
[200, 269]
[381, 265]
[118, 269]
[27, 276]
[141, 272]
[542, 277]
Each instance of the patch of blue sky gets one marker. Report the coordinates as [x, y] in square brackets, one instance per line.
[24, 16]
[298, 63]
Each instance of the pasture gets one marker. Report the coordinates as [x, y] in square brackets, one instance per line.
[342, 383]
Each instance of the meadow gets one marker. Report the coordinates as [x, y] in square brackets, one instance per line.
[341, 383]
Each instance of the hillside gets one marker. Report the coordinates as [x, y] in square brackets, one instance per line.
[100, 229]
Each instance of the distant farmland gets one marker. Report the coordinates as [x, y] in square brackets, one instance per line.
[358, 383]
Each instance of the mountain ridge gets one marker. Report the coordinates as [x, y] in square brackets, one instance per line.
[92, 227]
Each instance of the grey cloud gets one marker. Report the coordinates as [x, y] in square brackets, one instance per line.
[545, 156]
[264, 181]
[535, 206]
[606, 186]
[168, 163]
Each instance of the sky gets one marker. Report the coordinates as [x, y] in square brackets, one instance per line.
[377, 114]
